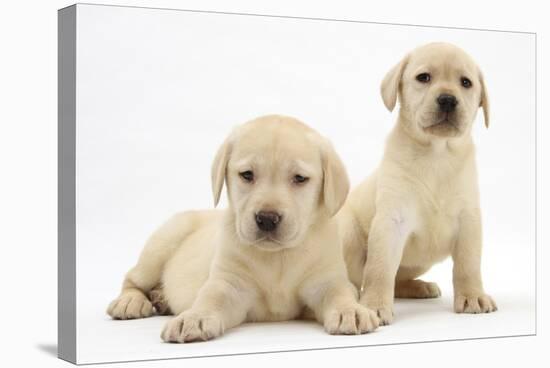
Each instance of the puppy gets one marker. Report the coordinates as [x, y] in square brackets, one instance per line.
[274, 254]
[422, 203]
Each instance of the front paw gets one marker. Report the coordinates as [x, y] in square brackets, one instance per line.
[383, 311]
[474, 303]
[353, 320]
[130, 306]
[191, 326]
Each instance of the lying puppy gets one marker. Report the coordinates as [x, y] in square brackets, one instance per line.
[273, 255]
[422, 203]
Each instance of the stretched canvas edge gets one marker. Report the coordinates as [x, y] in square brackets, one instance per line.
[66, 257]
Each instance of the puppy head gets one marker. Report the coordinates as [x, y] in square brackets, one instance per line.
[440, 89]
[282, 177]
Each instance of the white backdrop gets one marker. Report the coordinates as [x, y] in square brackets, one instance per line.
[158, 90]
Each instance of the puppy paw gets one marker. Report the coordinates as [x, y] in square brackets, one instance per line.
[160, 303]
[354, 320]
[384, 314]
[481, 303]
[383, 311]
[416, 289]
[130, 306]
[190, 326]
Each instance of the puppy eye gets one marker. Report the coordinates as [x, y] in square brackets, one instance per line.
[466, 83]
[247, 176]
[299, 179]
[423, 77]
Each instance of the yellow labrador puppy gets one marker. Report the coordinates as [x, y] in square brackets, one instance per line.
[422, 203]
[272, 255]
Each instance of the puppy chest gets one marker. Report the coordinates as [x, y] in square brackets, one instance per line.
[276, 304]
[432, 241]
[442, 229]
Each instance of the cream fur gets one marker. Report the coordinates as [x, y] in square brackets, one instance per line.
[217, 271]
[421, 205]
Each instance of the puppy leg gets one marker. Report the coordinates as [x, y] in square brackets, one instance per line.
[218, 307]
[407, 286]
[334, 304]
[145, 275]
[468, 287]
[387, 238]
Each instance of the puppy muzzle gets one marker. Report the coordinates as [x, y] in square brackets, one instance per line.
[268, 221]
[447, 103]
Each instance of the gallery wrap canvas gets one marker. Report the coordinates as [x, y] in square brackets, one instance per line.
[147, 96]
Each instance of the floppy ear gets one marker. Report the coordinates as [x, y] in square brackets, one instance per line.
[335, 180]
[484, 100]
[219, 168]
[390, 84]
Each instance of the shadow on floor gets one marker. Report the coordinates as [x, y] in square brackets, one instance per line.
[50, 349]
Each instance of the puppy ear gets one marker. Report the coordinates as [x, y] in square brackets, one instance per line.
[484, 100]
[335, 179]
[390, 84]
[219, 168]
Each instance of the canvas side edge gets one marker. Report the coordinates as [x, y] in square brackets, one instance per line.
[66, 281]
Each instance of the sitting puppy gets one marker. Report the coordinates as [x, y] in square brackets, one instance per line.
[422, 203]
[273, 255]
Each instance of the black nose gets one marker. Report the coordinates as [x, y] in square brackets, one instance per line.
[267, 220]
[447, 103]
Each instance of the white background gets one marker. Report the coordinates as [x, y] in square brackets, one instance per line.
[157, 92]
[30, 194]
